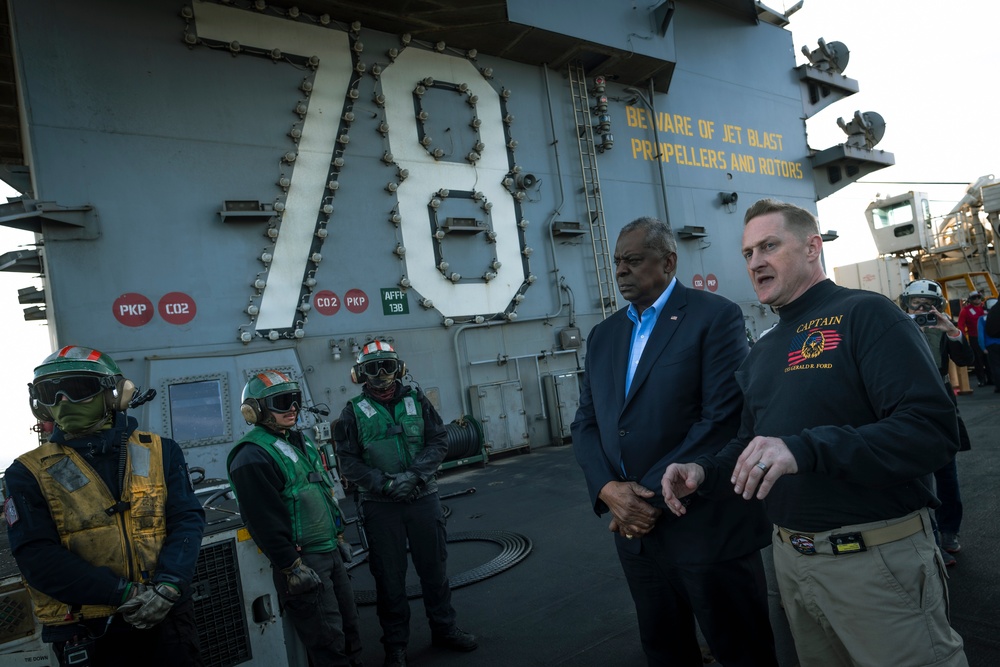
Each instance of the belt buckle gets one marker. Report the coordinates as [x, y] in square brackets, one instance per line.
[802, 543]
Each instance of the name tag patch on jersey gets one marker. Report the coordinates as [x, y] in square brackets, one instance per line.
[367, 408]
[10, 511]
[287, 450]
[411, 406]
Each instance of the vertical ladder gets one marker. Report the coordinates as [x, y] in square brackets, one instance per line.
[603, 265]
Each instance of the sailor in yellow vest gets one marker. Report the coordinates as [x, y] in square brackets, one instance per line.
[103, 522]
[391, 442]
[286, 497]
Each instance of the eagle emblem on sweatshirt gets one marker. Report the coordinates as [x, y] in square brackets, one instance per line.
[810, 344]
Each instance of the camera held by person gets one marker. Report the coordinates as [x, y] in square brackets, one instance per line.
[923, 301]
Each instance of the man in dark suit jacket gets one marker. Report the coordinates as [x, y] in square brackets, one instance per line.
[659, 387]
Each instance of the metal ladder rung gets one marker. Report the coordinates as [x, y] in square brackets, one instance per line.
[607, 289]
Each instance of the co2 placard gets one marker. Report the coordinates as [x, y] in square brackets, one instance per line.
[177, 308]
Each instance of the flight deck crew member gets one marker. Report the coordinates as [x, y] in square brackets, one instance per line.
[391, 441]
[103, 522]
[845, 420]
[287, 499]
[658, 387]
[923, 298]
[968, 323]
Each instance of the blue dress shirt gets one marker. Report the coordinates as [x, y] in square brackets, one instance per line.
[643, 329]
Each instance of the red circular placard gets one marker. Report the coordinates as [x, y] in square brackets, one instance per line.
[326, 302]
[133, 309]
[356, 301]
[177, 308]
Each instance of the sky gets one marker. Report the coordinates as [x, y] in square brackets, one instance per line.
[925, 66]
[27, 343]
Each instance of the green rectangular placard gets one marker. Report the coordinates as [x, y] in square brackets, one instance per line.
[394, 301]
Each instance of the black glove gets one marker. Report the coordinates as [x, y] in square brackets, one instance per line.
[301, 578]
[390, 479]
[403, 486]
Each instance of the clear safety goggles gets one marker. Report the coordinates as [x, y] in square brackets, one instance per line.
[377, 366]
[922, 304]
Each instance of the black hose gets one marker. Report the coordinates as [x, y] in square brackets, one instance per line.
[515, 548]
[456, 494]
[465, 438]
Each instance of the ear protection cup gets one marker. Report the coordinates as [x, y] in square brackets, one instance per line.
[40, 411]
[121, 395]
[250, 410]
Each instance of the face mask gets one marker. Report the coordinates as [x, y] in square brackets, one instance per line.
[381, 381]
[382, 387]
[78, 417]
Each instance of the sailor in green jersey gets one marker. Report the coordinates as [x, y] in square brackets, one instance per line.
[391, 442]
[287, 499]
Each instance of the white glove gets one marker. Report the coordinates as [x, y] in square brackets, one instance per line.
[150, 606]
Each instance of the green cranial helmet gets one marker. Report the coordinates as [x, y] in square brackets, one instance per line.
[377, 359]
[375, 350]
[267, 393]
[268, 383]
[74, 359]
[77, 374]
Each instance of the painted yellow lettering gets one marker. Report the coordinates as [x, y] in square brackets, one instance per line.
[647, 150]
[665, 124]
[631, 116]
[636, 148]
[680, 152]
[641, 119]
[706, 128]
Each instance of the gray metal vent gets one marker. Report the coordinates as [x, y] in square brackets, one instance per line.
[16, 621]
[218, 606]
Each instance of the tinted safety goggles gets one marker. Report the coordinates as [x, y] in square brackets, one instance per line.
[376, 366]
[284, 402]
[75, 388]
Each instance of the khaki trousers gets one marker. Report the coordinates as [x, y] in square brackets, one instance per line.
[884, 606]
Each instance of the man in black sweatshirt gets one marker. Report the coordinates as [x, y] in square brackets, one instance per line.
[845, 420]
